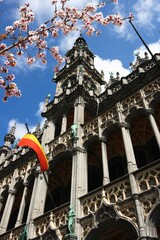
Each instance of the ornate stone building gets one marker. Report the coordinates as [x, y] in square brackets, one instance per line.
[103, 152]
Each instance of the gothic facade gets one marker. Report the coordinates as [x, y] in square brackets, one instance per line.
[103, 181]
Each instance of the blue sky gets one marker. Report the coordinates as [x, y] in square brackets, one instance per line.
[114, 50]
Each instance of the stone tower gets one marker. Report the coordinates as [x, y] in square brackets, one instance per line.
[103, 152]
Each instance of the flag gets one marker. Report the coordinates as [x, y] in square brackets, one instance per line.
[29, 140]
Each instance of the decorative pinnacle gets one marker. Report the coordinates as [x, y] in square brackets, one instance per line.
[81, 34]
[10, 137]
[48, 96]
[13, 129]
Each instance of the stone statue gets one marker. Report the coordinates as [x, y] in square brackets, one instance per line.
[71, 220]
[74, 130]
[24, 234]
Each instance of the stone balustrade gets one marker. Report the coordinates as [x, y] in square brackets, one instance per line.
[117, 194]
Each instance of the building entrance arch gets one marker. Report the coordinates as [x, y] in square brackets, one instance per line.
[108, 224]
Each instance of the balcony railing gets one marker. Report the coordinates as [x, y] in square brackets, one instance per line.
[117, 193]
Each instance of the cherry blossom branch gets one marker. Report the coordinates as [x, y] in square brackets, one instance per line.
[65, 19]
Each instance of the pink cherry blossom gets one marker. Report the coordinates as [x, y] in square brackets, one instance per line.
[65, 20]
[3, 69]
[41, 55]
[20, 52]
[42, 44]
[54, 1]
[131, 17]
[9, 29]
[54, 33]
[2, 83]
[2, 47]
[16, 24]
[30, 60]
[44, 61]
[90, 7]
[63, 1]
[117, 20]
[10, 77]
[11, 90]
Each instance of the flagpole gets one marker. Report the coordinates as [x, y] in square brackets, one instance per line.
[27, 127]
[52, 200]
[144, 43]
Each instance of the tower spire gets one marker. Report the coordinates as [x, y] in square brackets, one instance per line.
[46, 102]
[13, 129]
[10, 136]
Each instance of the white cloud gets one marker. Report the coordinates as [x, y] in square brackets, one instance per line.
[154, 48]
[40, 109]
[146, 16]
[109, 66]
[21, 129]
[45, 10]
[66, 42]
[24, 66]
[146, 11]
[123, 32]
[38, 113]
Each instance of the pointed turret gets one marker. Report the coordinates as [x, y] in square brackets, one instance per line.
[46, 102]
[8, 141]
[78, 73]
[37, 130]
[10, 137]
[80, 51]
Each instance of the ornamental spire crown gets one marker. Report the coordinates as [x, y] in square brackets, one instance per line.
[10, 137]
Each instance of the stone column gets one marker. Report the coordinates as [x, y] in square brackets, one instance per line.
[22, 205]
[40, 199]
[2, 156]
[48, 134]
[139, 210]
[50, 131]
[79, 182]
[154, 126]
[151, 118]
[132, 166]
[106, 178]
[64, 124]
[7, 211]
[1, 202]
[29, 217]
[131, 161]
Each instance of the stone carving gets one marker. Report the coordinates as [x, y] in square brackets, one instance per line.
[71, 220]
[58, 149]
[149, 178]
[74, 130]
[106, 213]
[130, 212]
